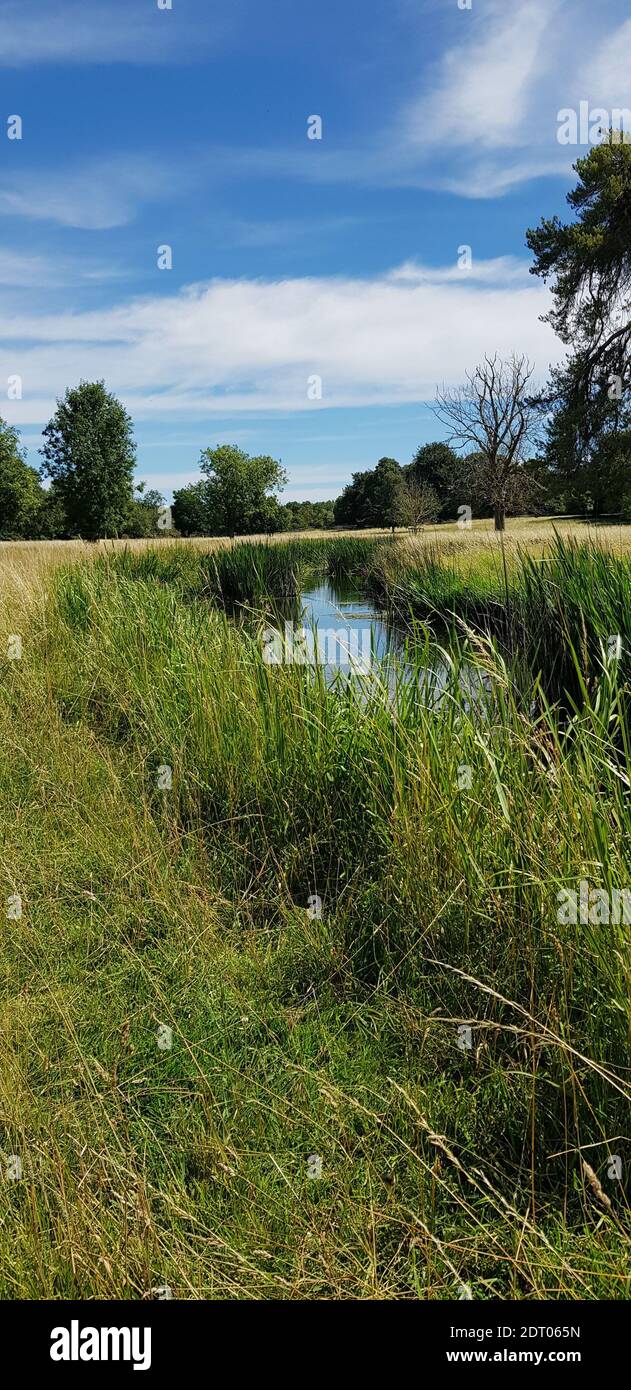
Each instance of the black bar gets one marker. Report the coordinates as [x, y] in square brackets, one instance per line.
[300, 1341]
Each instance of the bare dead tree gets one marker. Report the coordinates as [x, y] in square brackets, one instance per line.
[420, 504]
[492, 413]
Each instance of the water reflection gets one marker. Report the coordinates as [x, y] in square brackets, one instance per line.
[338, 629]
[367, 636]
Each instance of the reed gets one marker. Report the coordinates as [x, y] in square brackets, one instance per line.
[565, 615]
[250, 573]
[174, 809]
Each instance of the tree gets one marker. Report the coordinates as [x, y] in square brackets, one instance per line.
[375, 497]
[304, 516]
[52, 522]
[239, 489]
[90, 455]
[266, 517]
[353, 506]
[21, 494]
[438, 467]
[588, 262]
[190, 510]
[388, 495]
[142, 518]
[605, 481]
[493, 413]
[421, 504]
[523, 491]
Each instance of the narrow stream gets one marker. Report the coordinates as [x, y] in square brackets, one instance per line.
[351, 631]
[336, 627]
[350, 636]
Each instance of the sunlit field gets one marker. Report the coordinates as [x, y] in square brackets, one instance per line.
[535, 532]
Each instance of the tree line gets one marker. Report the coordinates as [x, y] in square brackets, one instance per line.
[89, 457]
[89, 460]
[508, 449]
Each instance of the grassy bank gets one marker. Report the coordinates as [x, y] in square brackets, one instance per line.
[173, 810]
[564, 615]
[249, 572]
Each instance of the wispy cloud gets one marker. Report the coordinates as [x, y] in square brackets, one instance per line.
[488, 121]
[499, 271]
[108, 31]
[244, 345]
[605, 76]
[480, 119]
[98, 195]
[26, 270]
[20, 269]
[483, 84]
[285, 231]
[485, 121]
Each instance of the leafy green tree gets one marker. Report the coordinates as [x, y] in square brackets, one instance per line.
[266, 518]
[142, 518]
[353, 505]
[190, 510]
[21, 494]
[305, 516]
[607, 475]
[588, 264]
[323, 515]
[388, 499]
[284, 520]
[589, 259]
[52, 522]
[438, 467]
[375, 497]
[239, 489]
[150, 498]
[90, 455]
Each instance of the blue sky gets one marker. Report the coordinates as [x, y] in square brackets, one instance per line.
[292, 258]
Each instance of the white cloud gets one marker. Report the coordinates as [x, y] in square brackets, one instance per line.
[485, 82]
[491, 113]
[606, 76]
[18, 268]
[501, 270]
[36, 271]
[242, 345]
[485, 124]
[96, 195]
[105, 31]
[486, 119]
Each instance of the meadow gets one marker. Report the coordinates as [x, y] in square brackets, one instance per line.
[289, 1006]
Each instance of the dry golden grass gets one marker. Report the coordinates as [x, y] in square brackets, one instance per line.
[531, 533]
[26, 561]
[25, 564]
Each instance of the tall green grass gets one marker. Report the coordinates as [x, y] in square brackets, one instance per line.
[575, 606]
[249, 572]
[437, 834]
[565, 616]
